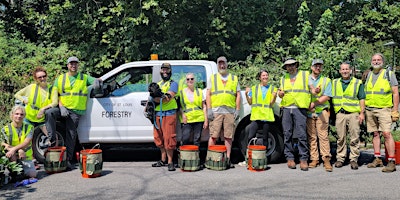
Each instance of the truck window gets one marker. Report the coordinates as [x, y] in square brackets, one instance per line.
[179, 75]
[130, 80]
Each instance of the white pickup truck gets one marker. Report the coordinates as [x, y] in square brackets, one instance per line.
[115, 115]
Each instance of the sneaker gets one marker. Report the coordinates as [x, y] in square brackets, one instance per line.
[230, 165]
[171, 167]
[243, 164]
[338, 164]
[303, 165]
[313, 164]
[390, 167]
[376, 163]
[291, 164]
[159, 163]
[353, 165]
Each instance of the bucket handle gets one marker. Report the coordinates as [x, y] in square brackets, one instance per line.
[97, 145]
[252, 140]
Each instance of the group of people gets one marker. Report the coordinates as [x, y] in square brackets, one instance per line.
[217, 107]
[44, 104]
[306, 101]
[306, 111]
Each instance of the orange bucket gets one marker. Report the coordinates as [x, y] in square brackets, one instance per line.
[256, 158]
[218, 148]
[216, 158]
[55, 159]
[91, 163]
[189, 158]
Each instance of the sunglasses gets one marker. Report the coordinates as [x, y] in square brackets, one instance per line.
[40, 77]
[189, 79]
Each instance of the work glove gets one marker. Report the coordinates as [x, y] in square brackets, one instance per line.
[210, 114]
[236, 114]
[64, 111]
[395, 116]
[98, 83]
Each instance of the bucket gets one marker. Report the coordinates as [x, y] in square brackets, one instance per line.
[55, 160]
[91, 163]
[256, 158]
[216, 157]
[189, 158]
[396, 153]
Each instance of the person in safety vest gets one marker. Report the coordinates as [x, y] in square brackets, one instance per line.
[349, 105]
[73, 92]
[194, 111]
[382, 103]
[37, 98]
[165, 128]
[261, 97]
[223, 105]
[318, 116]
[17, 140]
[296, 98]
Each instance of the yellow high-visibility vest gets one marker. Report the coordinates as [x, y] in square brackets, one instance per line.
[346, 99]
[223, 95]
[297, 94]
[193, 110]
[73, 97]
[380, 94]
[261, 108]
[170, 105]
[35, 102]
[14, 140]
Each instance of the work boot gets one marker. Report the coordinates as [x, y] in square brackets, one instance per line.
[327, 165]
[291, 164]
[313, 164]
[303, 165]
[353, 165]
[376, 163]
[390, 167]
[338, 164]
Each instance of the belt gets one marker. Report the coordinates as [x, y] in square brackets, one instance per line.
[344, 112]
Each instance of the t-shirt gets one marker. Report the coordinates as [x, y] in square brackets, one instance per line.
[264, 90]
[361, 92]
[314, 82]
[26, 93]
[222, 109]
[392, 79]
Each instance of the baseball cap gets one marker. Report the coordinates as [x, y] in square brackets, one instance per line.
[166, 65]
[222, 59]
[72, 59]
[317, 61]
[289, 61]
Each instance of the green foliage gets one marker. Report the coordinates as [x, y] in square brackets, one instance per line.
[18, 58]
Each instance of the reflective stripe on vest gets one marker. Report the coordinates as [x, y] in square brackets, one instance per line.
[223, 95]
[14, 140]
[73, 96]
[321, 107]
[378, 95]
[346, 99]
[297, 94]
[260, 108]
[35, 103]
[193, 110]
[171, 105]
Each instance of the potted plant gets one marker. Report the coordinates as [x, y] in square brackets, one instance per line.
[8, 169]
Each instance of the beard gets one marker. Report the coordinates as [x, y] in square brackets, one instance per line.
[376, 66]
[223, 71]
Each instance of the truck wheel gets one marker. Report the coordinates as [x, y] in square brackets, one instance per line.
[275, 145]
[39, 144]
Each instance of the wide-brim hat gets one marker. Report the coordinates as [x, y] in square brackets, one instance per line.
[289, 61]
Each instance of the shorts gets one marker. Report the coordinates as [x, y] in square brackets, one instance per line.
[29, 168]
[165, 136]
[379, 120]
[225, 121]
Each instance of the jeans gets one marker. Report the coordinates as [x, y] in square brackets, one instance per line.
[197, 128]
[71, 125]
[294, 123]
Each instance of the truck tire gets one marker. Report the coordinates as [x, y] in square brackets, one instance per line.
[39, 141]
[275, 144]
